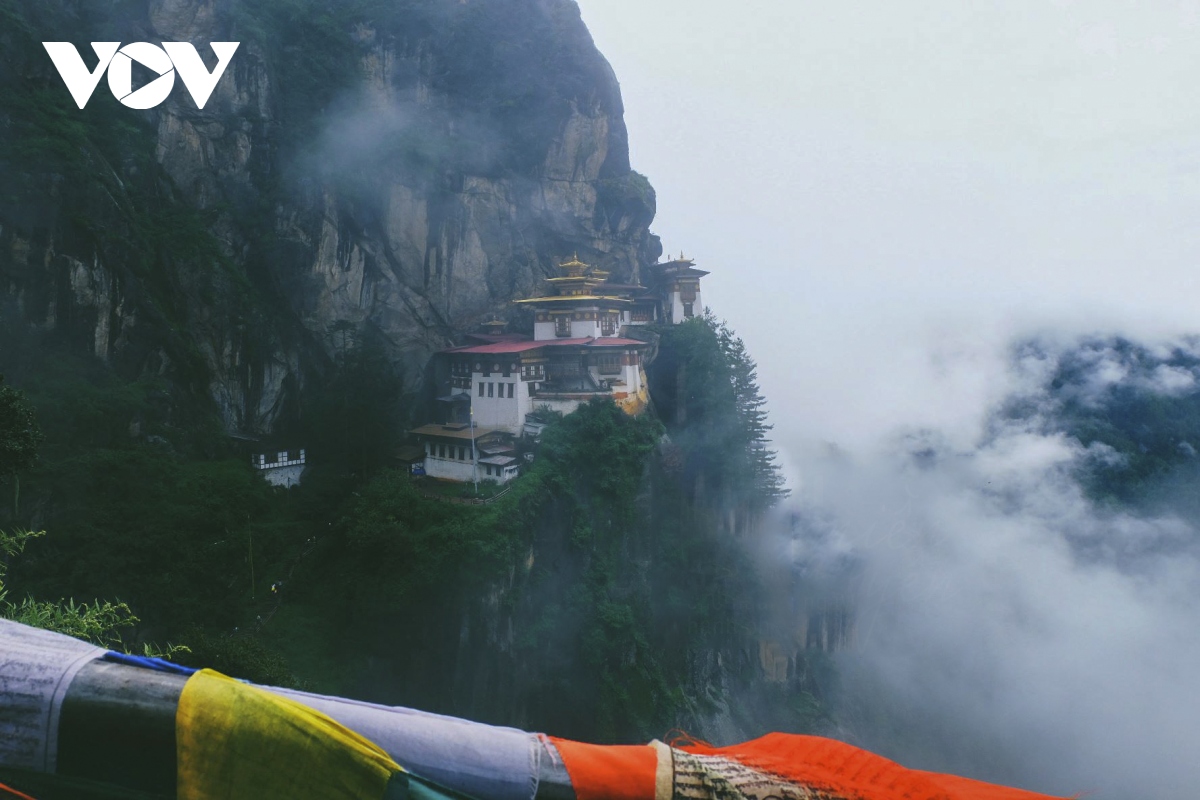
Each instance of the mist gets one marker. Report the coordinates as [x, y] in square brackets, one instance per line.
[1007, 626]
[894, 202]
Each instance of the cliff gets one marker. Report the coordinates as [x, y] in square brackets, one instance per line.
[369, 180]
[401, 169]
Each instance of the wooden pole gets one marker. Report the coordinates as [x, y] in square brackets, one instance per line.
[250, 536]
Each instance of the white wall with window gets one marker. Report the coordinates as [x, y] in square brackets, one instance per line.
[578, 323]
[500, 398]
[449, 460]
[617, 368]
[500, 469]
[685, 302]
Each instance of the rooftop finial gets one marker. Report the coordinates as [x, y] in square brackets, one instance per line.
[575, 268]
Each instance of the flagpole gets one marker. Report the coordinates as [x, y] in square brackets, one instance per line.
[474, 454]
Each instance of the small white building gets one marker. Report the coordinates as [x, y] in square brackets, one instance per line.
[498, 459]
[281, 468]
[677, 283]
[458, 452]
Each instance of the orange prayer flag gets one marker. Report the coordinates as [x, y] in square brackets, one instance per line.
[773, 766]
[847, 771]
[609, 772]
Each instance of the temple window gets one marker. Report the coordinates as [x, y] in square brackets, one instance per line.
[608, 364]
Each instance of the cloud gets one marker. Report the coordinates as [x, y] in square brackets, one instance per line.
[1007, 626]
[369, 134]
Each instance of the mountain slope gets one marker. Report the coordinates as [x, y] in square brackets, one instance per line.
[400, 168]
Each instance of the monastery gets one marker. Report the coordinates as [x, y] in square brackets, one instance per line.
[581, 349]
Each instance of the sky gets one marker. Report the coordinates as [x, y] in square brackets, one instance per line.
[881, 188]
[889, 197]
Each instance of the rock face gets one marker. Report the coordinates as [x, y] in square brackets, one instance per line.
[403, 170]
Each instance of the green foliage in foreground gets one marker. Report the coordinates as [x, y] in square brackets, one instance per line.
[132, 514]
[100, 622]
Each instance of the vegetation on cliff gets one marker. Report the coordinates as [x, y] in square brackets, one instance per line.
[706, 386]
[570, 604]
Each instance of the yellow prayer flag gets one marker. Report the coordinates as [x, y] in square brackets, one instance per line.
[239, 742]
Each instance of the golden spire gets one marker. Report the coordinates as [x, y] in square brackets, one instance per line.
[575, 268]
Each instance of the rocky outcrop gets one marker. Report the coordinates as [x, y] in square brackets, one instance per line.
[406, 171]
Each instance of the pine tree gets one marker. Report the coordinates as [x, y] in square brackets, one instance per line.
[707, 389]
[766, 480]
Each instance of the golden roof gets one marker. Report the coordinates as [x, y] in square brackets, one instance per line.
[573, 298]
[459, 431]
[575, 268]
[591, 280]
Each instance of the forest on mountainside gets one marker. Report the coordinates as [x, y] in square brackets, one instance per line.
[1134, 407]
[569, 605]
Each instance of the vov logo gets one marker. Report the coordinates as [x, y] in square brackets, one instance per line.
[164, 61]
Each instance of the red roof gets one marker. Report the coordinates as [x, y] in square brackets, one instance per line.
[516, 347]
[496, 348]
[500, 347]
[609, 341]
[497, 337]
